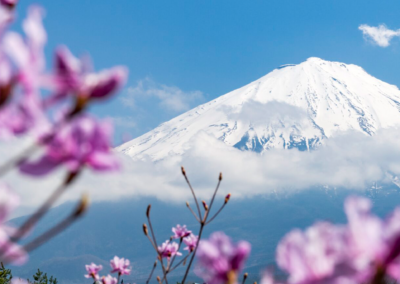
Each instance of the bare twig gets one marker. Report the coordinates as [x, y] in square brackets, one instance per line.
[244, 277]
[191, 210]
[191, 189]
[216, 214]
[152, 271]
[202, 224]
[78, 212]
[28, 224]
[155, 242]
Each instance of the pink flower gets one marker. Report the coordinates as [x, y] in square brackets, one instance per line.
[109, 279]
[120, 265]
[26, 110]
[219, 257]
[103, 84]
[72, 77]
[9, 3]
[190, 242]
[312, 255]
[15, 280]
[83, 142]
[29, 55]
[93, 271]
[169, 249]
[180, 232]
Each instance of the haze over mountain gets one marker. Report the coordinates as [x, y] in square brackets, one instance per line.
[294, 106]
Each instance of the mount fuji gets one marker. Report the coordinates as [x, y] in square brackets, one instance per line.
[294, 106]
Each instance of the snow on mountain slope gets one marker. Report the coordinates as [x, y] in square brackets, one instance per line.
[294, 106]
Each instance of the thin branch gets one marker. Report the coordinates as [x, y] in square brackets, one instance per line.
[155, 242]
[216, 214]
[202, 224]
[28, 224]
[191, 210]
[7, 166]
[78, 212]
[244, 277]
[215, 191]
[152, 271]
[191, 188]
[179, 263]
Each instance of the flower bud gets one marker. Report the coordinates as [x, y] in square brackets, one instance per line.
[205, 205]
[83, 205]
[220, 176]
[183, 171]
[227, 197]
[158, 279]
[145, 230]
[245, 276]
[187, 204]
[148, 211]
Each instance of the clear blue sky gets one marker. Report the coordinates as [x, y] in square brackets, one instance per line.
[213, 46]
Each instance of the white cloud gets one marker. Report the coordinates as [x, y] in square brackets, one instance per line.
[379, 35]
[170, 97]
[351, 160]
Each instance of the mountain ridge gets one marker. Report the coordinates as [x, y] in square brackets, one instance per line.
[293, 106]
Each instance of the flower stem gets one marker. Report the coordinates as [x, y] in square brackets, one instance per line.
[28, 224]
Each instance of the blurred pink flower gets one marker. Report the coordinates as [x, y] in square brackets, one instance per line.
[180, 231]
[219, 257]
[109, 279]
[169, 249]
[103, 84]
[83, 142]
[312, 255]
[15, 280]
[93, 271]
[9, 3]
[120, 265]
[72, 77]
[190, 242]
[28, 55]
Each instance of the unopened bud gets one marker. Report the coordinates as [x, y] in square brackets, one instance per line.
[83, 205]
[148, 211]
[227, 197]
[205, 205]
[145, 231]
[245, 275]
[155, 263]
[183, 171]
[255, 282]
[158, 279]
[187, 204]
[220, 176]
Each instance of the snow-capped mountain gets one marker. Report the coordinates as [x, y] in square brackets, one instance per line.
[294, 106]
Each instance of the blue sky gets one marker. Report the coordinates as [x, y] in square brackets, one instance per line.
[183, 53]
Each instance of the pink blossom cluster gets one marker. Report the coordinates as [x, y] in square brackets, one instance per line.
[365, 250]
[169, 249]
[121, 266]
[49, 105]
[220, 260]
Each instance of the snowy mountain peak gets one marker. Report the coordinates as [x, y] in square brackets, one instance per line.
[294, 106]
